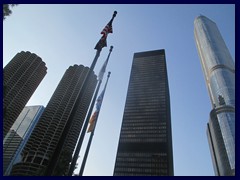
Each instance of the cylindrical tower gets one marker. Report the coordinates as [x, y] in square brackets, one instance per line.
[43, 141]
[22, 75]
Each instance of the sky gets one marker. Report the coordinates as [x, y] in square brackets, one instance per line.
[66, 34]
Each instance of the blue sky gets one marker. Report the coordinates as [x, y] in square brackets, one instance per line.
[64, 35]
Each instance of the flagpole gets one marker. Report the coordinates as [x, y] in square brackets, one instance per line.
[54, 160]
[83, 132]
[91, 136]
[57, 152]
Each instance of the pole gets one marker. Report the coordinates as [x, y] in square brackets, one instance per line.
[58, 149]
[79, 145]
[83, 132]
[56, 154]
[91, 137]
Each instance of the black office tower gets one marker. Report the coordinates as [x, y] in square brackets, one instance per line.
[42, 144]
[145, 144]
[22, 75]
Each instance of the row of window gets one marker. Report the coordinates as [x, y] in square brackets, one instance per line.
[141, 170]
[152, 164]
[141, 154]
[146, 124]
[143, 140]
[141, 87]
[143, 66]
[150, 128]
[127, 123]
[148, 76]
[141, 113]
[153, 82]
[144, 109]
[149, 104]
[143, 134]
[145, 117]
[145, 98]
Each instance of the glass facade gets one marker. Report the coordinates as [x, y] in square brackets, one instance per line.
[145, 144]
[222, 82]
[228, 132]
[223, 155]
[17, 137]
[219, 72]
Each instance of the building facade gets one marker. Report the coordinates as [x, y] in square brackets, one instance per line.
[18, 135]
[22, 75]
[145, 143]
[219, 72]
[44, 139]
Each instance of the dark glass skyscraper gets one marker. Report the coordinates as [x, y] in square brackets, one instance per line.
[44, 139]
[219, 72]
[145, 144]
[22, 75]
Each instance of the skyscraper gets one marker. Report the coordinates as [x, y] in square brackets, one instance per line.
[17, 137]
[22, 75]
[219, 72]
[44, 139]
[145, 143]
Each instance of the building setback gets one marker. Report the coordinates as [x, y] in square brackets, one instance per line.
[145, 143]
[219, 71]
[22, 75]
[43, 141]
[17, 137]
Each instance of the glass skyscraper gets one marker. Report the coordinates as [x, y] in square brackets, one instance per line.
[22, 75]
[145, 143]
[219, 72]
[41, 146]
[17, 137]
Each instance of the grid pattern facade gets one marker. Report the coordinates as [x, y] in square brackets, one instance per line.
[43, 141]
[17, 137]
[145, 144]
[22, 75]
[10, 146]
[216, 142]
[219, 72]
